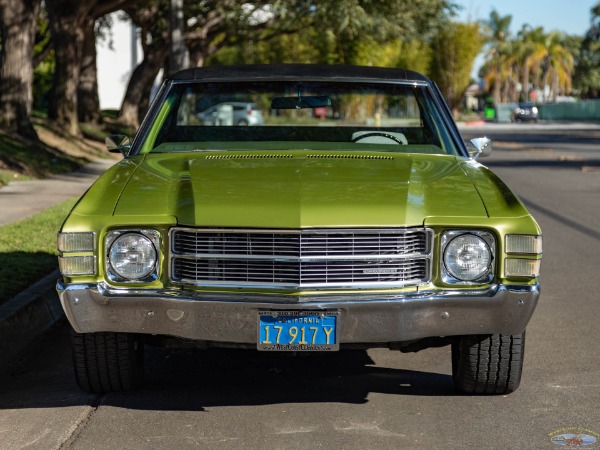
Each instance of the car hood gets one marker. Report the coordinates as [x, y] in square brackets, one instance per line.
[300, 189]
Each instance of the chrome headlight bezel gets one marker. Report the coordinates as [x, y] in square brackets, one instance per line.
[153, 238]
[488, 274]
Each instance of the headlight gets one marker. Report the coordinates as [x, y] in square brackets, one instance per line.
[468, 257]
[132, 256]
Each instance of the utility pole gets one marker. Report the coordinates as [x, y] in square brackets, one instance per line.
[178, 57]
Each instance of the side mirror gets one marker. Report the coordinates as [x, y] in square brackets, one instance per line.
[118, 143]
[479, 147]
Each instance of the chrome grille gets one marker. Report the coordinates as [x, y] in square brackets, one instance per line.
[301, 259]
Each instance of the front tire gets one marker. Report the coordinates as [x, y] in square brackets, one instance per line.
[107, 362]
[488, 364]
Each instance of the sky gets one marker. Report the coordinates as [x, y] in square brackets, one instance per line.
[568, 16]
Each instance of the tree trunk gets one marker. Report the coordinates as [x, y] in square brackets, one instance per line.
[545, 85]
[496, 91]
[67, 28]
[197, 56]
[514, 84]
[68, 21]
[200, 50]
[525, 84]
[554, 88]
[18, 21]
[88, 102]
[145, 100]
[139, 84]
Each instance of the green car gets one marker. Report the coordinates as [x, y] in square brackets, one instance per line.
[354, 216]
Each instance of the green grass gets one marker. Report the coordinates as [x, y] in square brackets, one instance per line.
[24, 158]
[6, 176]
[110, 113]
[28, 249]
[99, 132]
[39, 113]
[92, 132]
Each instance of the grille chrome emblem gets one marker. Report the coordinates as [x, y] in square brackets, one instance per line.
[380, 271]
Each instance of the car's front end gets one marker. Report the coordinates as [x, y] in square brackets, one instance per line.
[525, 112]
[395, 276]
[371, 228]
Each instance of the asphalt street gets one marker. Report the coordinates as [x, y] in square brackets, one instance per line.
[378, 399]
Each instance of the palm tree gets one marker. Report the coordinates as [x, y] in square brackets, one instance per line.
[532, 54]
[495, 68]
[558, 66]
[586, 75]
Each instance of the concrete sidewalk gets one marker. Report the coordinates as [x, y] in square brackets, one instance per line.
[27, 316]
[22, 199]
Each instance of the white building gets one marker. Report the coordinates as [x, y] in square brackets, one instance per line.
[116, 65]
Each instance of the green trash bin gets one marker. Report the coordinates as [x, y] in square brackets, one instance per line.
[489, 112]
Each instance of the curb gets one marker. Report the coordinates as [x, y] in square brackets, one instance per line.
[475, 123]
[28, 315]
[25, 317]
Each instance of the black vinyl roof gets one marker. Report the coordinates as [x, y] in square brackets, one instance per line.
[260, 72]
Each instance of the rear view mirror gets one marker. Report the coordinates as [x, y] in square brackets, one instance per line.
[301, 102]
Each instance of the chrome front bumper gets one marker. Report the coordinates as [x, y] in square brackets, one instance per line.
[364, 318]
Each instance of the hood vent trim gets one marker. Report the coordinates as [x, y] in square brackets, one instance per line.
[250, 156]
[311, 156]
[322, 156]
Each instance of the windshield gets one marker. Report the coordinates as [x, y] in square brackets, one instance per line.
[298, 115]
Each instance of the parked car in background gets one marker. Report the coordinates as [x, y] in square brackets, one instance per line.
[525, 112]
[374, 226]
[232, 113]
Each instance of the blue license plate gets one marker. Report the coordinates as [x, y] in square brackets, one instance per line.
[298, 331]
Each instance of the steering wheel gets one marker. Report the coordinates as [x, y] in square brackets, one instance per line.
[391, 137]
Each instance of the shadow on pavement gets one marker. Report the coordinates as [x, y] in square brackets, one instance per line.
[194, 380]
[33, 266]
[537, 135]
[570, 164]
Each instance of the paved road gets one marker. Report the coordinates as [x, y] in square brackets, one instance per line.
[377, 399]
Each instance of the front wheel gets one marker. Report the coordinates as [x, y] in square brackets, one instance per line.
[107, 362]
[488, 364]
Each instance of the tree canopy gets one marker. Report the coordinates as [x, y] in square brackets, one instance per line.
[47, 49]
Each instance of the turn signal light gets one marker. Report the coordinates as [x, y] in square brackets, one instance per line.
[524, 244]
[522, 267]
[77, 265]
[75, 242]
